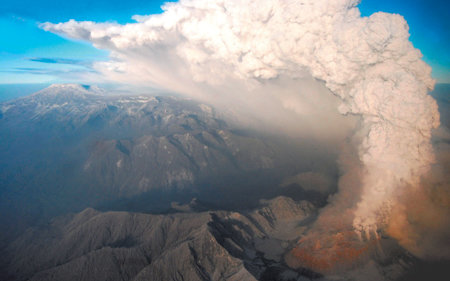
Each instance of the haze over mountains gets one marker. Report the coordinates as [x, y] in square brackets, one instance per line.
[179, 193]
[69, 147]
[306, 144]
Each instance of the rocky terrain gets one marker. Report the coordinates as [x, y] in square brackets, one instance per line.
[215, 245]
[187, 245]
[69, 147]
[95, 186]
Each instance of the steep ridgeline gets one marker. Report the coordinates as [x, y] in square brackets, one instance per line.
[69, 147]
[214, 245]
[218, 245]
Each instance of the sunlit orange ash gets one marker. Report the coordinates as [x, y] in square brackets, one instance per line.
[330, 253]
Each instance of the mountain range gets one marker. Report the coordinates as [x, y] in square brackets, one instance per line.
[103, 186]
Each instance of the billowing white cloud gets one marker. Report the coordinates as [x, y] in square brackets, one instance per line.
[263, 53]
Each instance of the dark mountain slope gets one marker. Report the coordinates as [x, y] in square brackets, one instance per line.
[69, 147]
[185, 246]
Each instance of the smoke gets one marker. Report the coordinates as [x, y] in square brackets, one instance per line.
[311, 181]
[421, 218]
[270, 60]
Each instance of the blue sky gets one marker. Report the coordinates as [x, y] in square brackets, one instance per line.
[31, 55]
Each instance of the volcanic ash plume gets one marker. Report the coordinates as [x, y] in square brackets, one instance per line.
[198, 47]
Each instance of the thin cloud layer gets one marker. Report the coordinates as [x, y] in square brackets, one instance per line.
[61, 61]
[264, 56]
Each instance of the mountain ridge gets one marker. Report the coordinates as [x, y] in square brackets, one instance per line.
[215, 245]
[67, 147]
